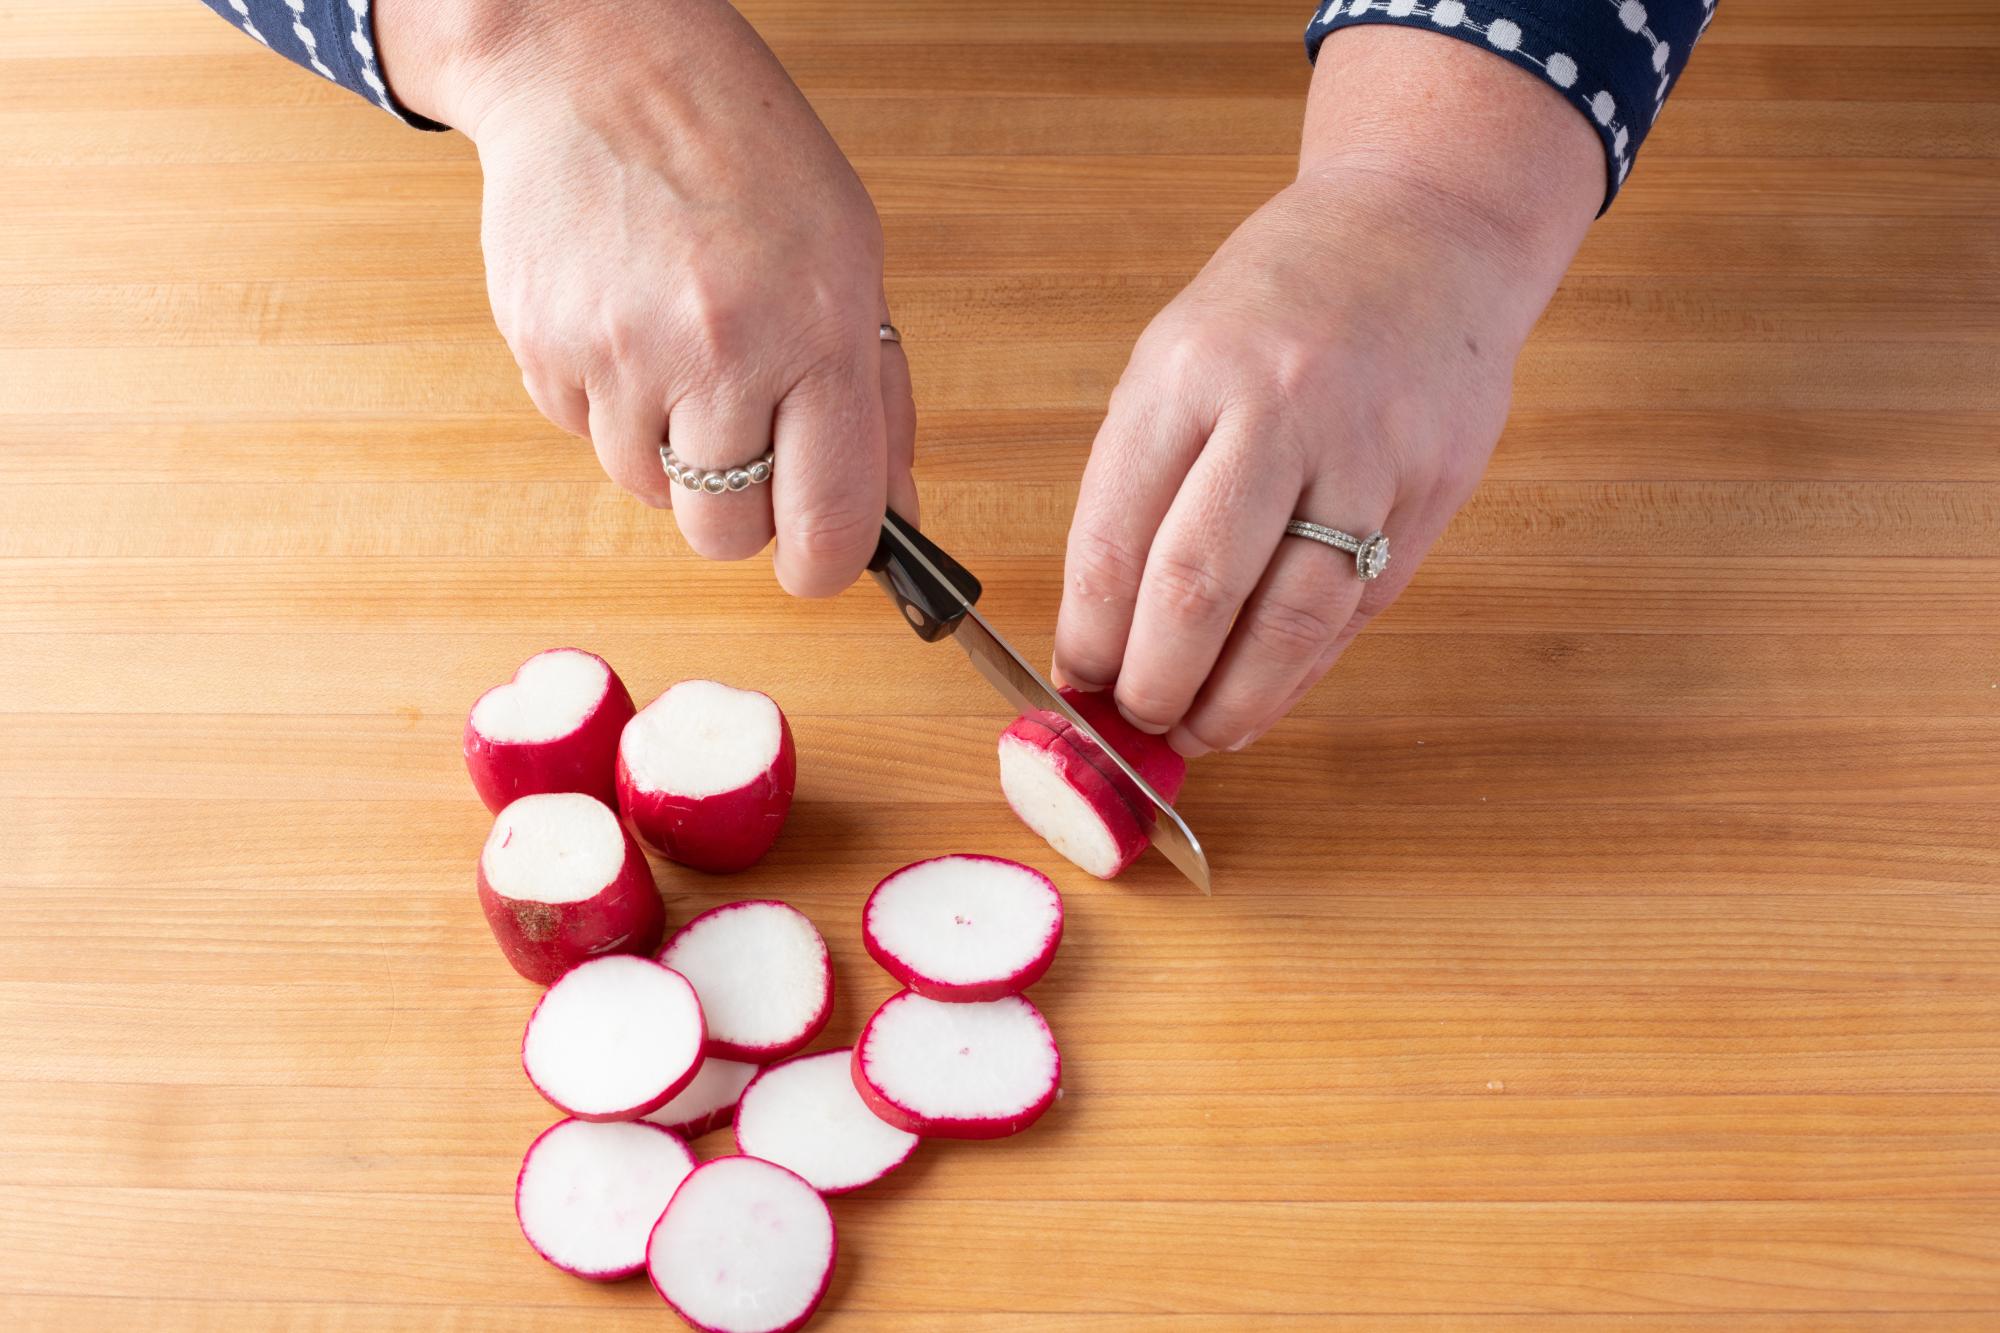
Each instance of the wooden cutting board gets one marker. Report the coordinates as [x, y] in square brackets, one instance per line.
[1613, 942]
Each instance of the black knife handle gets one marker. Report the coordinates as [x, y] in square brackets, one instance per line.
[933, 608]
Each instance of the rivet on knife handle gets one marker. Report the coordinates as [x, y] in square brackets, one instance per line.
[931, 604]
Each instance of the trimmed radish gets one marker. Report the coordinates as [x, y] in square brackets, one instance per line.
[964, 927]
[957, 1071]
[745, 1247]
[709, 1102]
[705, 775]
[561, 881]
[616, 1037]
[763, 974]
[1067, 790]
[554, 727]
[806, 1115]
[589, 1194]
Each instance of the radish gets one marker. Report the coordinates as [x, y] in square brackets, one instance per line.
[1080, 802]
[806, 1115]
[763, 974]
[745, 1247]
[589, 1194]
[709, 1102]
[554, 727]
[561, 881]
[614, 1038]
[957, 1071]
[705, 775]
[964, 927]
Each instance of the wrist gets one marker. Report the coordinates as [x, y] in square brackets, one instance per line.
[446, 59]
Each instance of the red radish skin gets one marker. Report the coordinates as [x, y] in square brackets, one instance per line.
[588, 1194]
[744, 1247]
[553, 727]
[561, 881]
[705, 775]
[964, 928]
[764, 976]
[1067, 800]
[709, 1102]
[614, 1039]
[957, 1071]
[806, 1115]
[1163, 767]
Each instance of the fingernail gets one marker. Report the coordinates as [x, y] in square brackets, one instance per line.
[1150, 728]
[1186, 744]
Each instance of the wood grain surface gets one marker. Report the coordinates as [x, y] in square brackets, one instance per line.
[1612, 943]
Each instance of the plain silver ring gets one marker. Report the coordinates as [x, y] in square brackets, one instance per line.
[1371, 553]
[890, 335]
[716, 480]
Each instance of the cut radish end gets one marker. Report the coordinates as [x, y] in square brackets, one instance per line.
[554, 727]
[589, 1194]
[709, 1102]
[964, 927]
[806, 1115]
[614, 1038]
[745, 1247]
[1067, 800]
[705, 774]
[561, 881]
[763, 974]
[957, 1071]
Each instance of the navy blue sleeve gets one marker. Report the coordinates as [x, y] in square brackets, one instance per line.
[335, 39]
[1614, 59]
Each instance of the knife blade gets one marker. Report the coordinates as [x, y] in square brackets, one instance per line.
[936, 594]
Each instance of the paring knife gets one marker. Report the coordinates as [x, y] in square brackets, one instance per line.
[936, 594]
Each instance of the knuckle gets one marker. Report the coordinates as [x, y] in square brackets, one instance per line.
[1148, 703]
[1188, 591]
[1292, 630]
[1101, 567]
[824, 550]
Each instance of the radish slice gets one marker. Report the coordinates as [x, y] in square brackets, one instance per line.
[709, 1102]
[614, 1038]
[561, 881]
[763, 974]
[964, 927]
[806, 1115]
[957, 1071]
[745, 1247]
[589, 1194]
[705, 775]
[554, 727]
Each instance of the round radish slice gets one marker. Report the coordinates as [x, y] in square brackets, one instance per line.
[554, 727]
[957, 1071]
[589, 1194]
[964, 927]
[745, 1247]
[561, 881]
[709, 1102]
[806, 1115]
[763, 974]
[614, 1038]
[705, 774]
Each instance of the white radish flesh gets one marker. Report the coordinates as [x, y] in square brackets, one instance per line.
[745, 1247]
[806, 1115]
[705, 774]
[964, 927]
[764, 977]
[589, 1194]
[709, 1102]
[962, 1071]
[554, 727]
[1067, 800]
[614, 1038]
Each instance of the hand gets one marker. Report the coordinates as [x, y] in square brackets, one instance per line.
[676, 249]
[1345, 357]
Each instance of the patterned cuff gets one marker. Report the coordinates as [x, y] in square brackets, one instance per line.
[335, 39]
[1614, 59]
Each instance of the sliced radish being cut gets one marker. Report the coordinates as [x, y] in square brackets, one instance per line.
[709, 1102]
[589, 1194]
[561, 881]
[957, 1071]
[705, 774]
[614, 1038]
[806, 1115]
[964, 927]
[554, 727]
[763, 974]
[745, 1247]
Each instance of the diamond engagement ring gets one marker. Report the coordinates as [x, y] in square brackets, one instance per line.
[1371, 553]
[715, 481]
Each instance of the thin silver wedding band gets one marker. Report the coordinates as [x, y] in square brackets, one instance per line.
[1371, 553]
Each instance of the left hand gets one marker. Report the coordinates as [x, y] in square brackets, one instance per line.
[1345, 357]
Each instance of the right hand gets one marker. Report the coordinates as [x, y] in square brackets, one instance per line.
[677, 250]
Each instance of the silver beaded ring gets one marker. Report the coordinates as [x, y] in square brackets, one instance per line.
[718, 480]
